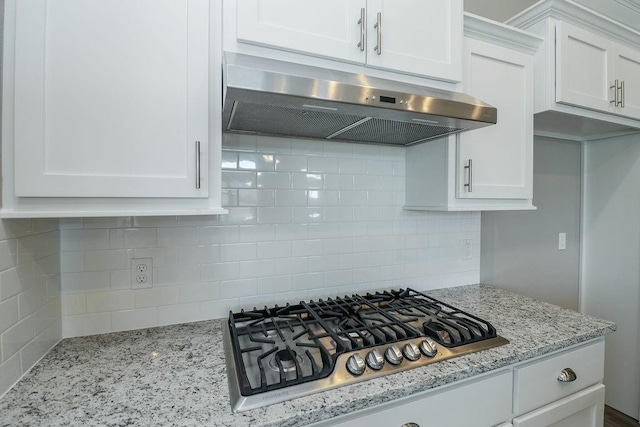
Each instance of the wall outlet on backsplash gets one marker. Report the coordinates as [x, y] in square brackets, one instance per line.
[142, 273]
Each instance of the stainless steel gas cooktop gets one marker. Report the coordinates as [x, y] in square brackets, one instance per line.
[280, 353]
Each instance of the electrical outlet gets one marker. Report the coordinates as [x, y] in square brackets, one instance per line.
[468, 248]
[562, 241]
[142, 273]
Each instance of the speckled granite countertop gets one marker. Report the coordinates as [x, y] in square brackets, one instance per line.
[175, 375]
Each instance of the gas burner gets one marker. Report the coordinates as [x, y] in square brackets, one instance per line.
[285, 359]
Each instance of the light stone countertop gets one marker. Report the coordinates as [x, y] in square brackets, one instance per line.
[175, 375]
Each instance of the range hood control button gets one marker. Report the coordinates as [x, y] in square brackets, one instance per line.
[355, 364]
[393, 355]
[375, 359]
[411, 351]
[428, 347]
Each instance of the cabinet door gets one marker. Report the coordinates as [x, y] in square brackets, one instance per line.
[502, 154]
[584, 68]
[421, 37]
[329, 28]
[627, 71]
[582, 409]
[110, 98]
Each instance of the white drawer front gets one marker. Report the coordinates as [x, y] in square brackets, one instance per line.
[537, 384]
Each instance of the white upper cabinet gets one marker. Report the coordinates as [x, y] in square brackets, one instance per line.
[109, 99]
[490, 168]
[587, 76]
[417, 37]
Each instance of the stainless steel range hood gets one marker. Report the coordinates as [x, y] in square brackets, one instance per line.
[268, 97]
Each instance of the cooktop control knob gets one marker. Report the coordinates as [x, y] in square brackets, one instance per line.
[411, 351]
[428, 347]
[393, 355]
[375, 359]
[355, 364]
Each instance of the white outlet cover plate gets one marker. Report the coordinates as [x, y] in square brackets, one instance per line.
[141, 273]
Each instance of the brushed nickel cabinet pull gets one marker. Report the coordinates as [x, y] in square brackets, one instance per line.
[363, 29]
[198, 164]
[622, 94]
[567, 375]
[378, 26]
[469, 183]
[615, 93]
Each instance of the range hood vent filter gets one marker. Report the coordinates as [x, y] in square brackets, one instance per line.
[394, 132]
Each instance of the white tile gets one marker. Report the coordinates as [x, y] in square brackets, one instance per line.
[286, 163]
[356, 260]
[31, 300]
[229, 197]
[8, 313]
[72, 262]
[219, 308]
[322, 263]
[238, 142]
[274, 180]
[366, 244]
[238, 288]
[38, 347]
[366, 151]
[15, 280]
[221, 234]
[307, 214]
[83, 240]
[323, 164]
[256, 197]
[238, 179]
[74, 304]
[380, 198]
[257, 268]
[257, 233]
[366, 182]
[352, 166]
[291, 197]
[338, 213]
[338, 149]
[220, 271]
[239, 215]
[10, 372]
[117, 259]
[276, 145]
[324, 230]
[154, 297]
[178, 236]
[69, 223]
[98, 302]
[352, 229]
[198, 220]
[308, 281]
[275, 249]
[237, 252]
[191, 255]
[154, 221]
[291, 231]
[338, 246]
[257, 302]
[50, 313]
[292, 266]
[176, 275]
[229, 160]
[307, 247]
[380, 167]
[84, 281]
[323, 198]
[107, 222]
[274, 284]
[162, 257]
[86, 324]
[131, 238]
[274, 215]
[179, 313]
[338, 278]
[16, 337]
[256, 161]
[196, 292]
[120, 279]
[134, 319]
[8, 254]
[338, 182]
[307, 180]
[308, 147]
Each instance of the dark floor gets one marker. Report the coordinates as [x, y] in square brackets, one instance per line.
[613, 418]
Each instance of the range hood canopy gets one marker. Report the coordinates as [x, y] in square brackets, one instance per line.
[264, 96]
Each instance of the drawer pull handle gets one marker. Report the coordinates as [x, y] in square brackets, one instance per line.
[567, 375]
[410, 425]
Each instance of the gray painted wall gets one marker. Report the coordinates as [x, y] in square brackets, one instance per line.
[498, 10]
[520, 248]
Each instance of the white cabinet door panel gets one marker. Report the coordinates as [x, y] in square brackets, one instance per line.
[328, 28]
[584, 64]
[421, 37]
[110, 97]
[502, 154]
[627, 70]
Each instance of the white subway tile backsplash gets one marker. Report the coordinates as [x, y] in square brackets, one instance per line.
[256, 161]
[274, 215]
[74, 303]
[292, 266]
[352, 166]
[307, 180]
[164, 276]
[15, 280]
[107, 260]
[179, 313]
[16, 337]
[238, 288]
[237, 142]
[337, 182]
[220, 271]
[229, 160]
[134, 319]
[238, 179]
[274, 249]
[286, 163]
[256, 197]
[274, 180]
[8, 313]
[307, 214]
[98, 302]
[292, 231]
[323, 164]
[131, 238]
[257, 268]
[196, 255]
[84, 239]
[291, 197]
[31, 300]
[8, 254]
[154, 221]
[72, 262]
[183, 236]
[274, 284]
[84, 281]
[323, 198]
[307, 247]
[195, 292]
[274, 145]
[155, 297]
[307, 281]
[119, 279]
[237, 252]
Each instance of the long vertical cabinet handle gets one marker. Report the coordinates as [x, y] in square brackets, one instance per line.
[469, 183]
[615, 93]
[378, 27]
[622, 93]
[198, 164]
[363, 28]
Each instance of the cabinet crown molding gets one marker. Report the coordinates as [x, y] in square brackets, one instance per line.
[500, 34]
[574, 13]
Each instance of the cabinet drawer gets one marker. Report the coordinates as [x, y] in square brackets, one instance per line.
[537, 384]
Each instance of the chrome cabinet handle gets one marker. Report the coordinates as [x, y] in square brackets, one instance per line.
[363, 29]
[622, 94]
[469, 183]
[410, 425]
[198, 164]
[615, 93]
[567, 375]
[378, 27]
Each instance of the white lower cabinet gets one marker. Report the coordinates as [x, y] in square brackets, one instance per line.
[528, 394]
